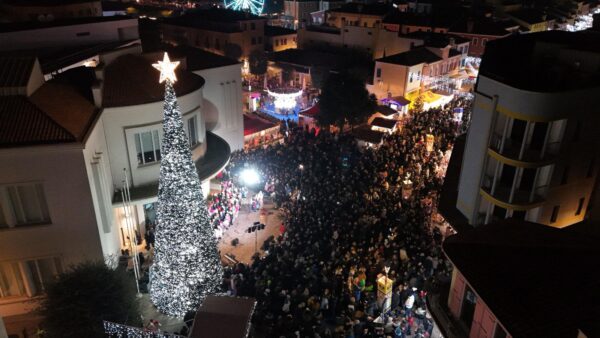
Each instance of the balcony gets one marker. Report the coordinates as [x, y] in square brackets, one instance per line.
[521, 199]
[530, 158]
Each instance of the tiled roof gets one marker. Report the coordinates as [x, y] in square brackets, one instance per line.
[411, 57]
[15, 71]
[437, 40]
[536, 279]
[384, 123]
[22, 123]
[131, 80]
[529, 16]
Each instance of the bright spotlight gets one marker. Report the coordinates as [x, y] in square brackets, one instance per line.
[249, 176]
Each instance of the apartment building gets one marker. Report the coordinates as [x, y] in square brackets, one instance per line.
[531, 152]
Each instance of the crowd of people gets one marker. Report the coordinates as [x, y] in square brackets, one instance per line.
[224, 206]
[351, 214]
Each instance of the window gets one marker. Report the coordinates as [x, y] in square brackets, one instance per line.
[217, 44]
[252, 26]
[193, 130]
[11, 280]
[580, 206]
[3, 221]
[253, 41]
[410, 78]
[83, 34]
[474, 41]
[284, 41]
[44, 272]
[28, 203]
[276, 42]
[147, 146]
[590, 170]
[369, 33]
[554, 214]
[378, 72]
[260, 39]
[565, 175]
[483, 41]
[244, 26]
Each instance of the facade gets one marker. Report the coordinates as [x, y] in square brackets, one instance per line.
[44, 11]
[532, 20]
[111, 127]
[214, 30]
[532, 148]
[298, 11]
[357, 14]
[479, 33]
[279, 38]
[68, 32]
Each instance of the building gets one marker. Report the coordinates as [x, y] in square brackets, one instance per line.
[298, 11]
[532, 20]
[110, 129]
[70, 32]
[358, 14]
[221, 31]
[406, 22]
[279, 38]
[479, 32]
[384, 125]
[531, 152]
[259, 132]
[512, 279]
[428, 62]
[45, 10]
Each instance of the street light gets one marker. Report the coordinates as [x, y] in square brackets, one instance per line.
[249, 177]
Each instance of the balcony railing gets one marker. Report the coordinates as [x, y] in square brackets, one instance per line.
[520, 199]
[513, 150]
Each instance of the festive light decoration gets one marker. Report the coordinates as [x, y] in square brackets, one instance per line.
[114, 330]
[167, 69]
[254, 6]
[187, 263]
[285, 100]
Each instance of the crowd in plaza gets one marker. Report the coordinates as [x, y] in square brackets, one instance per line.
[349, 213]
[224, 206]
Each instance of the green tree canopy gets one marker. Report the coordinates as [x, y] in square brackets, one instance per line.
[78, 302]
[257, 61]
[344, 98]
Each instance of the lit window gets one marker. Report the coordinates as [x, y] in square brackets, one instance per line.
[28, 204]
[378, 72]
[147, 146]
[193, 130]
[11, 280]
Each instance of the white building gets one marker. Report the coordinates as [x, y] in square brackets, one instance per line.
[532, 148]
[66, 144]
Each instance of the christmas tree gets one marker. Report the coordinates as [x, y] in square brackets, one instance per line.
[187, 266]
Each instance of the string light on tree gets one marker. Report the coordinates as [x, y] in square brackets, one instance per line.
[187, 264]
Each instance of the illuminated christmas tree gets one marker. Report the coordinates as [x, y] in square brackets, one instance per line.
[187, 265]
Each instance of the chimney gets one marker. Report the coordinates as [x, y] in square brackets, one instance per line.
[470, 24]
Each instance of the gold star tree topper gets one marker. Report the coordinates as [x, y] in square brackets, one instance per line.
[167, 69]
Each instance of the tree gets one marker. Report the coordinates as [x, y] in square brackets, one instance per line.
[344, 99]
[318, 75]
[257, 62]
[417, 106]
[90, 292]
[233, 51]
[187, 265]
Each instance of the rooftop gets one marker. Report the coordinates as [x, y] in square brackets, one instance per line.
[365, 133]
[414, 19]
[534, 278]
[255, 124]
[437, 40]
[223, 316]
[131, 80]
[547, 61]
[44, 3]
[57, 112]
[277, 31]
[215, 19]
[15, 71]
[30, 25]
[530, 16]
[412, 57]
[480, 27]
[384, 123]
[379, 9]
